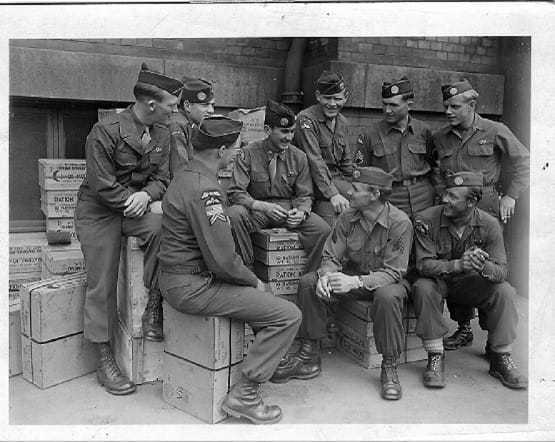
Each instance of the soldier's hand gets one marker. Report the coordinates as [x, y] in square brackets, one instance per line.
[339, 203]
[467, 261]
[478, 258]
[274, 211]
[506, 208]
[341, 283]
[322, 289]
[136, 204]
[156, 207]
[295, 217]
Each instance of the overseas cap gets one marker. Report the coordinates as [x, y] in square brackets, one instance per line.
[168, 84]
[373, 176]
[450, 90]
[216, 131]
[330, 83]
[396, 87]
[464, 179]
[278, 115]
[197, 90]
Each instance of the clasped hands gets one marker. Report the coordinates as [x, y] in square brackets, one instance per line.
[139, 203]
[336, 283]
[474, 259]
[275, 212]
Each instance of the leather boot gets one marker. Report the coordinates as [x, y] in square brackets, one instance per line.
[487, 351]
[502, 367]
[305, 364]
[243, 400]
[391, 387]
[109, 375]
[434, 375]
[152, 317]
[462, 337]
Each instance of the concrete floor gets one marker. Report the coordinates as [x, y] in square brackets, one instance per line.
[344, 394]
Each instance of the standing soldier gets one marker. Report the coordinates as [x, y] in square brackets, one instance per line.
[127, 175]
[321, 132]
[365, 257]
[202, 274]
[473, 143]
[197, 102]
[272, 187]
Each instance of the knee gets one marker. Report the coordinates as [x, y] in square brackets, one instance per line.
[425, 288]
[504, 291]
[389, 296]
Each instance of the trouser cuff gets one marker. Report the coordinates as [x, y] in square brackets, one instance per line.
[433, 345]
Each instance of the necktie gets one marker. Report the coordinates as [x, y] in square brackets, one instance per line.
[145, 139]
[272, 167]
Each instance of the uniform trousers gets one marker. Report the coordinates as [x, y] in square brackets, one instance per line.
[313, 232]
[498, 314]
[324, 208]
[274, 320]
[386, 312]
[100, 231]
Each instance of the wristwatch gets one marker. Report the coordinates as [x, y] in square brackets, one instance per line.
[360, 282]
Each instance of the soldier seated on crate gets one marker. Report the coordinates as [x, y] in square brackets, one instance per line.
[461, 257]
[127, 175]
[271, 187]
[365, 257]
[201, 273]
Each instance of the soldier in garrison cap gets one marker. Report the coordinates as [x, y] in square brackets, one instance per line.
[473, 143]
[127, 174]
[271, 187]
[461, 257]
[321, 132]
[201, 273]
[365, 257]
[197, 102]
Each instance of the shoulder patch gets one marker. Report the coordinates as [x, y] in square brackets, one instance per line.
[305, 123]
[213, 206]
[421, 226]
[399, 245]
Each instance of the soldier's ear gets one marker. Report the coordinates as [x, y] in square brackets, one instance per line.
[151, 105]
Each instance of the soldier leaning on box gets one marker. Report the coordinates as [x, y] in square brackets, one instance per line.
[201, 273]
[475, 144]
[272, 187]
[197, 102]
[365, 257]
[321, 132]
[127, 175]
[461, 257]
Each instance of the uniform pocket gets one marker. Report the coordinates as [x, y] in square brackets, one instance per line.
[481, 150]
[125, 156]
[417, 148]
[260, 177]
[292, 178]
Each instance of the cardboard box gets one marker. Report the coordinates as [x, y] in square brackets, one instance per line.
[17, 280]
[15, 338]
[61, 174]
[359, 326]
[210, 341]
[280, 258]
[359, 308]
[253, 123]
[248, 339]
[278, 273]
[288, 287]
[61, 225]
[354, 335]
[67, 197]
[277, 239]
[361, 355]
[197, 390]
[25, 252]
[62, 260]
[57, 210]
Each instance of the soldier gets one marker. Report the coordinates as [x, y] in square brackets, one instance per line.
[127, 175]
[461, 257]
[271, 187]
[197, 102]
[365, 257]
[202, 274]
[321, 132]
[473, 143]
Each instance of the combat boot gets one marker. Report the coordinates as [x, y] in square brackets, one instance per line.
[463, 336]
[305, 364]
[152, 317]
[391, 387]
[244, 400]
[109, 375]
[434, 375]
[502, 367]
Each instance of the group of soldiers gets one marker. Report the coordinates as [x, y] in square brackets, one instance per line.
[152, 172]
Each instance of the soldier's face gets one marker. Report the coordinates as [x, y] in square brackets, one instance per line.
[198, 111]
[395, 109]
[331, 104]
[280, 137]
[455, 202]
[162, 109]
[459, 110]
[362, 196]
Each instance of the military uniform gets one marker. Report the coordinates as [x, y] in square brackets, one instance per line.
[181, 149]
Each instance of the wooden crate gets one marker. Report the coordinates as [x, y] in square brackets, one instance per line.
[61, 225]
[62, 260]
[57, 210]
[61, 174]
[210, 341]
[278, 273]
[17, 280]
[67, 197]
[15, 338]
[280, 258]
[359, 308]
[248, 339]
[197, 390]
[288, 287]
[277, 239]
[25, 252]
[359, 326]
[366, 357]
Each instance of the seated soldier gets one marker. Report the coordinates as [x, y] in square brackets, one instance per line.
[272, 187]
[201, 274]
[461, 257]
[365, 257]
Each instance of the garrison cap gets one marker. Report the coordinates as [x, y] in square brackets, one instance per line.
[162, 81]
[215, 131]
[464, 179]
[396, 87]
[330, 83]
[456, 88]
[197, 90]
[373, 176]
[278, 115]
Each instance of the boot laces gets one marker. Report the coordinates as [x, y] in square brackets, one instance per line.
[507, 361]
[111, 366]
[435, 362]
[390, 369]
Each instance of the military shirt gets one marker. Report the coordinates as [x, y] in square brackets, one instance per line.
[379, 251]
[181, 149]
[483, 151]
[196, 233]
[438, 247]
[327, 150]
[118, 165]
[251, 178]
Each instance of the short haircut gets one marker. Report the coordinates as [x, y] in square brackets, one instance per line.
[145, 91]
